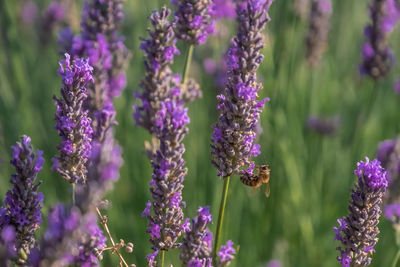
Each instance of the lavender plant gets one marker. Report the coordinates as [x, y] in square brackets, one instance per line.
[377, 56]
[23, 204]
[72, 120]
[318, 30]
[358, 231]
[235, 132]
[7, 244]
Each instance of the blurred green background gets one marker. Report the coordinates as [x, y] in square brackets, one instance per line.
[311, 174]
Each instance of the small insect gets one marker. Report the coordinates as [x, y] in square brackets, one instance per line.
[262, 176]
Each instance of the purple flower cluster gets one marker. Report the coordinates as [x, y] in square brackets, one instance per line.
[358, 231]
[72, 120]
[377, 56]
[234, 134]
[102, 43]
[165, 224]
[318, 29]
[159, 83]
[71, 239]
[225, 254]
[23, 204]
[195, 20]
[197, 243]
[53, 17]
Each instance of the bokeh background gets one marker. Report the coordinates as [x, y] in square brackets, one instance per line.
[311, 174]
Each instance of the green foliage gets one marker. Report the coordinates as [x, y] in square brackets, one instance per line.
[311, 175]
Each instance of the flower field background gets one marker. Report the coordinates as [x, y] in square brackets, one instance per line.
[311, 174]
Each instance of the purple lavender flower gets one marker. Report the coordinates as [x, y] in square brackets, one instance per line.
[165, 223]
[23, 204]
[397, 87]
[358, 231]
[318, 29]
[71, 239]
[197, 246]
[54, 15]
[225, 254]
[323, 126]
[194, 20]
[377, 56]
[102, 43]
[72, 121]
[159, 82]
[234, 134]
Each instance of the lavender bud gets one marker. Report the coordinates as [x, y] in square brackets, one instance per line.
[194, 20]
[159, 80]
[358, 231]
[72, 121]
[318, 29]
[377, 56]
[23, 204]
[235, 132]
[54, 15]
[197, 243]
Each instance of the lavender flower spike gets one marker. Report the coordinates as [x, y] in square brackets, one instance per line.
[318, 29]
[225, 254]
[23, 203]
[197, 244]
[358, 231]
[159, 80]
[377, 56]
[165, 224]
[235, 132]
[194, 20]
[72, 121]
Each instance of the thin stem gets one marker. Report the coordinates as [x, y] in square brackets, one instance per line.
[105, 227]
[220, 218]
[186, 69]
[73, 194]
[396, 259]
[162, 257]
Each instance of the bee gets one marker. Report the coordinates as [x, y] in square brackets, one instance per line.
[262, 176]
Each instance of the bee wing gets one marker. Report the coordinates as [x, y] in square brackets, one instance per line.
[267, 190]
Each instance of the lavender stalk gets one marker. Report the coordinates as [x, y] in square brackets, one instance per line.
[377, 56]
[23, 204]
[358, 231]
[72, 120]
[234, 134]
[318, 30]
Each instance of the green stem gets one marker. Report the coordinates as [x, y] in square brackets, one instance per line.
[396, 259]
[73, 194]
[162, 257]
[186, 69]
[220, 218]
